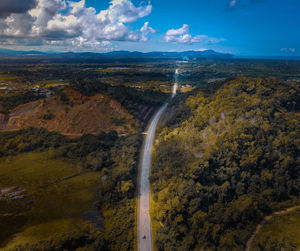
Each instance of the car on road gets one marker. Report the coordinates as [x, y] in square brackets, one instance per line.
[143, 236]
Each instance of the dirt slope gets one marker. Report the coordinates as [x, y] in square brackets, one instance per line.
[76, 115]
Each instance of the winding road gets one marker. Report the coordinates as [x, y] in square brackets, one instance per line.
[144, 220]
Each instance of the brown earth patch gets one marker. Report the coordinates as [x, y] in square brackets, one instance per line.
[80, 114]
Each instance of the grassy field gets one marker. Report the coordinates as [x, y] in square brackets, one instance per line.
[44, 196]
[7, 77]
[50, 83]
[282, 232]
[186, 89]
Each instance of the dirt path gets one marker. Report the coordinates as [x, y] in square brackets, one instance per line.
[63, 179]
[144, 231]
[264, 221]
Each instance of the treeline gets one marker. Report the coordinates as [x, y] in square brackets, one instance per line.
[85, 238]
[8, 102]
[92, 151]
[130, 98]
[118, 203]
[115, 158]
[223, 162]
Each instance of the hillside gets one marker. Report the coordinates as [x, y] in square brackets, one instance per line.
[224, 162]
[71, 113]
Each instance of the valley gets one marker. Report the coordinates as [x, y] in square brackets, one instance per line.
[146, 125]
[97, 155]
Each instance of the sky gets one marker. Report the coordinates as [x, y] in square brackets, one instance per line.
[239, 27]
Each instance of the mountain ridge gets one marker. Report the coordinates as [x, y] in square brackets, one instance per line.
[121, 54]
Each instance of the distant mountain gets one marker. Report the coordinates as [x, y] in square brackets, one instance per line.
[121, 54]
[7, 52]
[183, 55]
[297, 58]
[175, 55]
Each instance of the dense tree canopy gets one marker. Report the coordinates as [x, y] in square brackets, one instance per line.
[223, 162]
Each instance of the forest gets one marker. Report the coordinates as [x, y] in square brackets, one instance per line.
[223, 162]
[132, 99]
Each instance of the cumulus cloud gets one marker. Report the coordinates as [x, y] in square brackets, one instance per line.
[182, 36]
[124, 11]
[60, 22]
[145, 31]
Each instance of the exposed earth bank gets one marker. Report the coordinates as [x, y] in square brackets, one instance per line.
[71, 113]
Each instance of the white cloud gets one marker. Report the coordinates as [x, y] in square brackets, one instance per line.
[232, 3]
[145, 31]
[291, 50]
[182, 36]
[201, 49]
[123, 11]
[72, 22]
[237, 4]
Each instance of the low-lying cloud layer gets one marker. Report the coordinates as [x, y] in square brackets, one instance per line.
[60, 22]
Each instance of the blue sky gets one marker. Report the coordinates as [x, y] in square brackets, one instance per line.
[241, 27]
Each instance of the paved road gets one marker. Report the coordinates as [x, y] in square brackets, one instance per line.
[144, 221]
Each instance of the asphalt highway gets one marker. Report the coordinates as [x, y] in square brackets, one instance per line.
[144, 221]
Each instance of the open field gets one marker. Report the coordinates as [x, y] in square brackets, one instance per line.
[42, 196]
[7, 77]
[282, 232]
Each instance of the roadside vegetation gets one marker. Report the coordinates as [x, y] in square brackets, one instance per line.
[223, 162]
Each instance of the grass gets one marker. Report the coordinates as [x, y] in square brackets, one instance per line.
[282, 232]
[186, 89]
[7, 77]
[154, 223]
[57, 192]
[136, 202]
[49, 84]
[4, 94]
